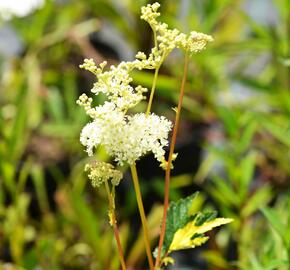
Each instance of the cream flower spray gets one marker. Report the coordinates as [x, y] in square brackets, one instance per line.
[128, 137]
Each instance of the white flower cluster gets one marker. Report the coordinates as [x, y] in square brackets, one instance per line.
[149, 14]
[125, 137]
[168, 39]
[115, 84]
[128, 137]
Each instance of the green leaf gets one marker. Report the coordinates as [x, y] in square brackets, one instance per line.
[38, 178]
[185, 229]
[275, 264]
[246, 136]
[224, 192]
[247, 166]
[56, 105]
[229, 120]
[177, 217]
[280, 133]
[192, 234]
[206, 217]
[256, 265]
[88, 224]
[260, 198]
[275, 221]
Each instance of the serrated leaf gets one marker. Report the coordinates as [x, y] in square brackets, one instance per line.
[191, 235]
[201, 218]
[177, 217]
[185, 229]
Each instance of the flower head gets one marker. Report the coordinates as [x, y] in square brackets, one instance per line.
[149, 14]
[168, 39]
[194, 42]
[99, 172]
[127, 138]
[115, 84]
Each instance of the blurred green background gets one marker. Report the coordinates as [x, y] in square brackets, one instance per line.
[233, 143]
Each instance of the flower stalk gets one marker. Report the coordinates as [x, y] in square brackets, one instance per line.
[170, 156]
[126, 137]
[113, 222]
[152, 90]
[142, 215]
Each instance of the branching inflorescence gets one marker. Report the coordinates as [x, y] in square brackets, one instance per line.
[126, 137]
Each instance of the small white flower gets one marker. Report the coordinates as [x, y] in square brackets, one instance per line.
[90, 137]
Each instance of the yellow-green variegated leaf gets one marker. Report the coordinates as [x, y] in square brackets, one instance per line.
[191, 235]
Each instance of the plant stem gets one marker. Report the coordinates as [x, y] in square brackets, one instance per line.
[288, 68]
[168, 168]
[142, 215]
[115, 227]
[288, 253]
[152, 90]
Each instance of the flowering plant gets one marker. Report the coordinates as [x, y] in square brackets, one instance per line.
[126, 137]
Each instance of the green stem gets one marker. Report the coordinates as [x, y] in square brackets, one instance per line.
[168, 168]
[142, 215]
[288, 258]
[152, 90]
[288, 68]
[288, 252]
[115, 227]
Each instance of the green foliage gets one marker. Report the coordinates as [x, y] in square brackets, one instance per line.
[272, 248]
[247, 145]
[177, 217]
[185, 229]
[280, 222]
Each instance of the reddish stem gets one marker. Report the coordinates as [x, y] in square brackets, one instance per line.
[117, 236]
[115, 226]
[168, 168]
